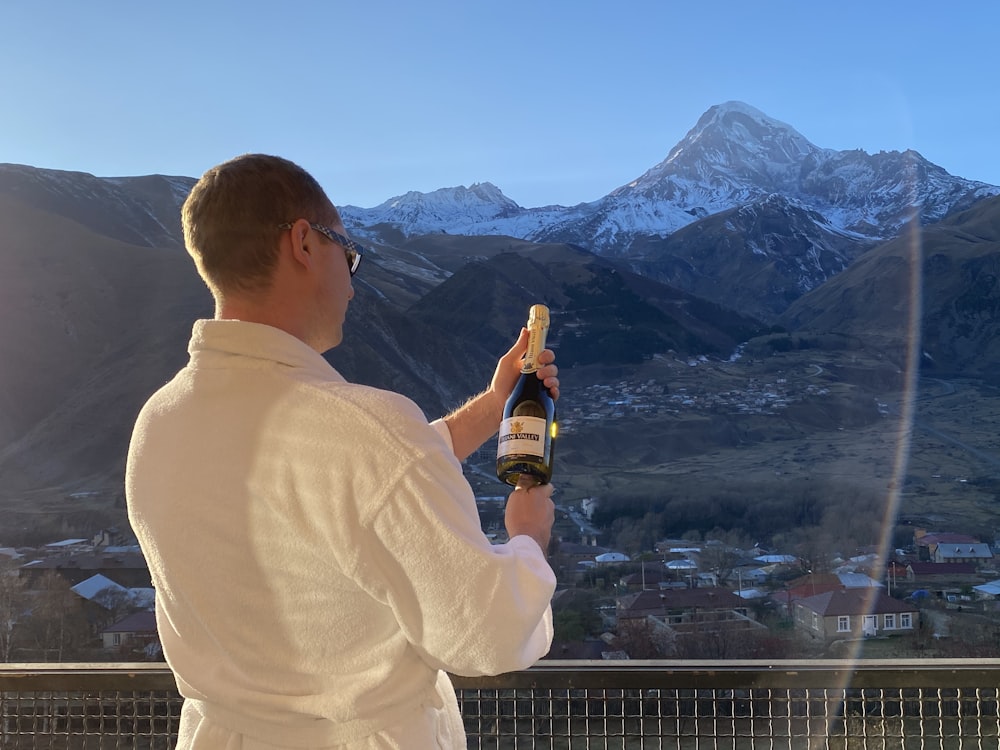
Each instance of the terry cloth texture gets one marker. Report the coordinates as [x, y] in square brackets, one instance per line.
[317, 554]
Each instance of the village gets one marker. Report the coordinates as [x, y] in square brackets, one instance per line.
[653, 398]
[710, 600]
[92, 600]
[77, 599]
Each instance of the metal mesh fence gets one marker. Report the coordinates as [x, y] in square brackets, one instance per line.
[110, 720]
[756, 719]
[934, 705]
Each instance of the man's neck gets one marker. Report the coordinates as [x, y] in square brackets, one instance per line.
[272, 313]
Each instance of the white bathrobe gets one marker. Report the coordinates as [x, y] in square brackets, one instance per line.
[317, 555]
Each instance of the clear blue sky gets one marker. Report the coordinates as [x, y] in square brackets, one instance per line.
[554, 101]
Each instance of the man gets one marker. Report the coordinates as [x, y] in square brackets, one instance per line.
[317, 555]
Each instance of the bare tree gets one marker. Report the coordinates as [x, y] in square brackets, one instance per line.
[116, 602]
[723, 551]
[13, 603]
[815, 547]
[646, 639]
[57, 623]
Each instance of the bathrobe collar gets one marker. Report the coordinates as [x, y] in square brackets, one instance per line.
[211, 338]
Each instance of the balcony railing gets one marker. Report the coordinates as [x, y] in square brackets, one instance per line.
[944, 704]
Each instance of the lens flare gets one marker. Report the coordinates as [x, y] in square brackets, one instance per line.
[904, 430]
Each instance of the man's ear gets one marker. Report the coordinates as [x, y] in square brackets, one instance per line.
[301, 245]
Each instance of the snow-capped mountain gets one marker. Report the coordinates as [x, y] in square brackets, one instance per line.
[734, 156]
[478, 210]
[777, 247]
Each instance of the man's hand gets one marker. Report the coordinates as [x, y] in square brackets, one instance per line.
[473, 422]
[509, 370]
[531, 512]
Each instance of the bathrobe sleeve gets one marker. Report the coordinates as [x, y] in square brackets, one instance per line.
[467, 606]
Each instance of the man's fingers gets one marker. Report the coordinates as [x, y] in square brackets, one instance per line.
[526, 482]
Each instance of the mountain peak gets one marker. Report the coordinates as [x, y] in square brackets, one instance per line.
[451, 209]
[478, 194]
[719, 112]
[734, 135]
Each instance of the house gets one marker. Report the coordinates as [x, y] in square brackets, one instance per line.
[811, 585]
[976, 553]
[752, 575]
[853, 613]
[651, 575]
[101, 590]
[676, 547]
[107, 594]
[988, 590]
[137, 631]
[576, 557]
[927, 542]
[820, 583]
[126, 568]
[683, 564]
[68, 545]
[852, 580]
[777, 559]
[103, 600]
[611, 558]
[685, 610]
[895, 571]
[942, 576]
[751, 593]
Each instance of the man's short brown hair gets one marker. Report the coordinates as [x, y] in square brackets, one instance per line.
[232, 215]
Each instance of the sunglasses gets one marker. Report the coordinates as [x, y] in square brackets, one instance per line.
[352, 249]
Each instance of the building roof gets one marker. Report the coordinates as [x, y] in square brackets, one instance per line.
[812, 584]
[659, 602]
[612, 557]
[137, 622]
[857, 580]
[871, 601]
[941, 569]
[962, 551]
[98, 584]
[94, 585]
[575, 548]
[770, 559]
[807, 590]
[67, 543]
[682, 565]
[818, 579]
[93, 561]
[991, 588]
[944, 537]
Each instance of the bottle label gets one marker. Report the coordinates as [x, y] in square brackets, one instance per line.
[522, 436]
[538, 329]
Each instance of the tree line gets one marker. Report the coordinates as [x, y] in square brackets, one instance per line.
[771, 514]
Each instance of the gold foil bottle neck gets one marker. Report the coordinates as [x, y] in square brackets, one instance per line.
[538, 315]
[538, 329]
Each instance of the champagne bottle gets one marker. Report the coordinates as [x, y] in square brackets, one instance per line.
[529, 427]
